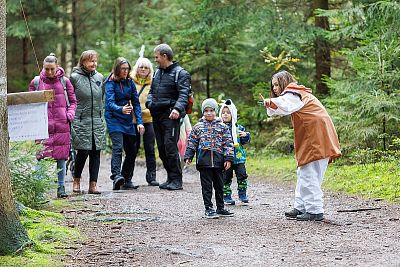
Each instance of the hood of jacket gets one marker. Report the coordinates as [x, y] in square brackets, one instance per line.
[295, 86]
[57, 76]
[82, 71]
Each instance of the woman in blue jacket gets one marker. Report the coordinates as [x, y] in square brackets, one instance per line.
[121, 101]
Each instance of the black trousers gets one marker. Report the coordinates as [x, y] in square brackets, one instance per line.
[149, 140]
[212, 177]
[128, 143]
[167, 135]
[94, 162]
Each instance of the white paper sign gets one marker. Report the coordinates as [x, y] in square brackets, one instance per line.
[28, 122]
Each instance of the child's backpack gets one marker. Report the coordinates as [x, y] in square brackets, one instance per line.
[36, 82]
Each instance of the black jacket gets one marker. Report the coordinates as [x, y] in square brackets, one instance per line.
[166, 95]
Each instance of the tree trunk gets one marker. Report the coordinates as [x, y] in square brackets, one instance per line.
[25, 48]
[121, 17]
[114, 25]
[322, 50]
[63, 55]
[12, 234]
[74, 48]
[208, 74]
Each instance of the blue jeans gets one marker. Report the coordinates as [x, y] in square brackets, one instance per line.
[61, 173]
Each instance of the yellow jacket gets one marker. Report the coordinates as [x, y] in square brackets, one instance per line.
[139, 83]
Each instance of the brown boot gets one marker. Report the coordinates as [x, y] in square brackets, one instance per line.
[93, 188]
[76, 185]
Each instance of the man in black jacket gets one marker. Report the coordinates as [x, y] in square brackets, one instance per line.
[167, 101]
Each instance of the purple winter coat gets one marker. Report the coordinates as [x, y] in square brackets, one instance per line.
[58, 144]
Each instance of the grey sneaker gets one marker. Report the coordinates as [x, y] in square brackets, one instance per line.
[211, 214]
[310, 217]
[293, 213]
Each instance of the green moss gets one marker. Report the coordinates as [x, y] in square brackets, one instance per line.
[48, 235]
[63, 204]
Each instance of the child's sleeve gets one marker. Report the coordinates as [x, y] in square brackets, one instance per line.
[193, 143]
[286, 105]
[228, 145]
[246, 138]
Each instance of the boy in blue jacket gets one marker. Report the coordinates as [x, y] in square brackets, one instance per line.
[228, 113]
[211, 141]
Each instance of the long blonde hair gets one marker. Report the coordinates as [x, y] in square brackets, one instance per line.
[283, 78]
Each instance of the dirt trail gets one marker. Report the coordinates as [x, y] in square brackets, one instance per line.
[153, 227]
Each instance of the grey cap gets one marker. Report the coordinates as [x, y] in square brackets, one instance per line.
[209, 103]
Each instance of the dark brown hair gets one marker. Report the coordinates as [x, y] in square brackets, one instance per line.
[117, 67]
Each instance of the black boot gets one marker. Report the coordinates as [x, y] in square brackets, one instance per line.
[153, 183]
[164, 185]
[151, 179]
[129, 185]
[175, 185]
[118, 181]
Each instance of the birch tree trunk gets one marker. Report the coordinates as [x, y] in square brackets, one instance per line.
[12, 234]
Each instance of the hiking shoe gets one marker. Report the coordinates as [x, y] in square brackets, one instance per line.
[211, 214]
[243, 196]
[153, 183]
[174, 186]
[228, 200]
[164, 185]
[129, 185]
[118, 182]
[224, 213]
[310, 217]
[61, 192]
[293, 213]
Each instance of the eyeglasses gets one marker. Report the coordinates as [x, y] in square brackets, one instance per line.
[124, 69]
[143, 67]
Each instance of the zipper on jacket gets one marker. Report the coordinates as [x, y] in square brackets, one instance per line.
[91, 111]
[211, 143]
[173, 131]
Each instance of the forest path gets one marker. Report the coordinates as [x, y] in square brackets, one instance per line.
[153, 227]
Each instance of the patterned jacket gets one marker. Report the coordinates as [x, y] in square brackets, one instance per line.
[212, 143]
[240, 153]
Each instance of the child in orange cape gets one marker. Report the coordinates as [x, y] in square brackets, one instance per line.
[315, 140]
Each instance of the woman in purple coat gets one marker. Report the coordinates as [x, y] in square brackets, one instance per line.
[61, 112]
